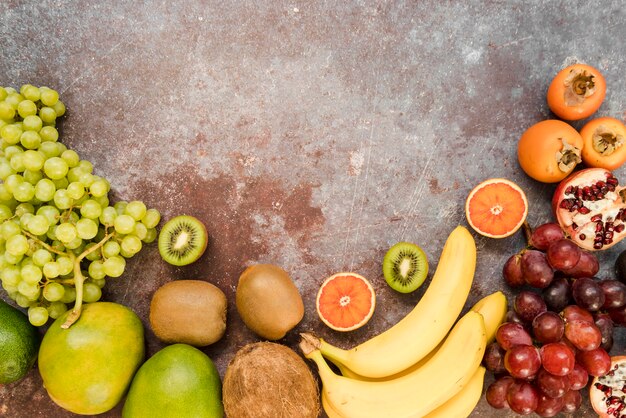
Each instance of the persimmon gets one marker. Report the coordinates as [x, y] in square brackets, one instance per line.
[576, 92]
[604, 143]
[549, 150]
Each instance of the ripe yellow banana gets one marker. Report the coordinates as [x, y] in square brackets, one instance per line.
[419, 332]
[493, 308]
[463, 403]
[415, 394]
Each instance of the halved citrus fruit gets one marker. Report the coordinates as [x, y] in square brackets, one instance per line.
[496, 208]
[345, 301]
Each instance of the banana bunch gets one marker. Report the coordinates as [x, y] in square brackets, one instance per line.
[428, 364]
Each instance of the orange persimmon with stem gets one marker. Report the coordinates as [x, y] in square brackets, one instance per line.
[604, 143]
[576, 92]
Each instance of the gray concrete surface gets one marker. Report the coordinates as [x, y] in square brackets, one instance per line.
[312, 135]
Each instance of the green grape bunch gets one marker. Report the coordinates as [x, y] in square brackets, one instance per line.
[60, 237]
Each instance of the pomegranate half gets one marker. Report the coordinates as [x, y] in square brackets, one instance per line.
[606, 393]
[590, 206]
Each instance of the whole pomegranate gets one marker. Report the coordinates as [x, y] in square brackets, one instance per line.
[590, 207]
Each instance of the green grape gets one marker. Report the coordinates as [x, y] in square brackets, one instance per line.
[12, 181]
[140, 231]
[49, 97]
[49, 212]
[108, 215]
[91, 292]
[65, 265]
[5, 169]
[76, 245]
[59, 108]
[120, 207]
[11, 290]
[22, 301]
[30, 139]
[45, 190]
[32, 123]
[41, 256]
[7, 112]
[11, 150]
[37, 315]
[62, 200]
[30, 92]
[69, 296]
[9, 229]
[24, 219]
[38, 225]
[56, 309]
[136, 209]
[114, 266]
[55, 168]
[13, 259]
[93, 255]
[5, 213]
[75, 190]
[31, 274]
[53, 291]
[87, 179]
[86, 228]
[49, 134]
[23, 208]
[17, 162]
[96, 270]
[74, 173]
[10, 275]
[24, 192]
[26, 108]
[86, 166]
[152, 218]
[33, 160]
[124, 224]
[61, 183]
[14, 99]
[90, 209]
[30, 290]
[110, 249]
[151, 235]
[65, 232]
[32, 176]
[17, 245]
[131, 244]
[73, 217]
[3, 93]
[47, 114]
[103, 201]
[51, 269]
[49, 149]
[99, 188]
[71, 158]
[99, 282]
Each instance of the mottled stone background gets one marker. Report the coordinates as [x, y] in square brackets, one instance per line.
[313, 135]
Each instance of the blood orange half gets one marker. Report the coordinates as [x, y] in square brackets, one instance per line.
[496, 208]
[345, 301]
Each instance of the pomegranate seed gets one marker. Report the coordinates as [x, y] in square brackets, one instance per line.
[612, 180]
[620, 228]
[604, 190]
[569, 190]
[599, 227]
[610, 187]
[574, 207]
[574, 225]
[582, 237]
[609, 228]
[607, 241]
[600, 184]
[597, 245]
[584, 210]
[596, 218]
[565, 204]
[600, 196]
[608, 235]
[579, 193]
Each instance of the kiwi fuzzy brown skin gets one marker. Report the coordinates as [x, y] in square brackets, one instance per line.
[178, 249]
[405, 267]
[188, 311]
[268, 301]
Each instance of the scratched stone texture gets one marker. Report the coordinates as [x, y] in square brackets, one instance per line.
[312, 135]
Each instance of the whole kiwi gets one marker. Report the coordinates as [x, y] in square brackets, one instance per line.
[268, 301]
[188, 311]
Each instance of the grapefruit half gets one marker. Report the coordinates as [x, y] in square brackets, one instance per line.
[345, 301]
[496, 208]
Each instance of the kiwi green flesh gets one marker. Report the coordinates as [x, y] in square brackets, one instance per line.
[182, 240]
[405, 267]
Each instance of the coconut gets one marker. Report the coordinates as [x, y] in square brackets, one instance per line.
[269, 380]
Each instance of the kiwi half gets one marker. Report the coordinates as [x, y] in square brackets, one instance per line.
[182, 240]
[405, 267]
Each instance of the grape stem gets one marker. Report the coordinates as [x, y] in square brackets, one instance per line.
[79, 280]
[43, 244]
[528, 232]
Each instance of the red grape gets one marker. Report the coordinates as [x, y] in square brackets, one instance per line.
[528, 305]
[545, 234]
[574, 312]
[618, 316]
[512, 316]
[548, 327]
[596, 362]
[588, 294]
[571, 401]
[510, 334]
[578, 377]
[558, 294]
[563, 254]
[548, 407]
[583, 335]
[557, 359]
[551, 385]
[494, 358]
[587, 266]
[512, 271]
[497, 391]
[614, 293]
[522, 397]
[537, 272]
[605, 324]
[522, 361]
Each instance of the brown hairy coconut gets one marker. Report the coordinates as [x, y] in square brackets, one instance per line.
[269, 380]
